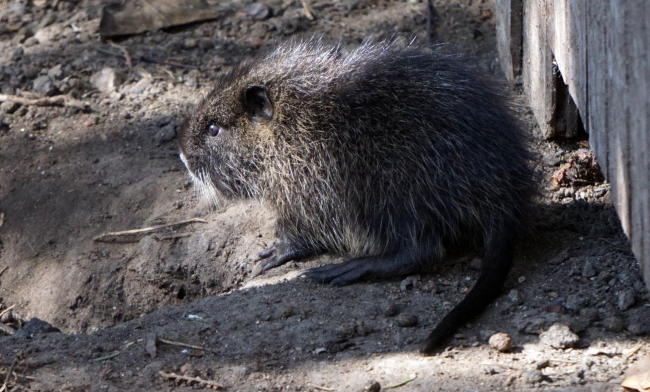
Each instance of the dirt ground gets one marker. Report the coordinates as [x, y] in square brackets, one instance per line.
[69, 174]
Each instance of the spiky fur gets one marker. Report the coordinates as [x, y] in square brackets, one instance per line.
[390, 148]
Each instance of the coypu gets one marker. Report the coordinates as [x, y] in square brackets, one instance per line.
[389, 153]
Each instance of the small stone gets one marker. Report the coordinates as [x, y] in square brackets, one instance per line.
[589, 314]
[625, 300]
[532, 376]
[17, 53]
[589, 270]
[544, 363]
[501, 342]
[55, 73]
[637, 329]
[190, 43]
[559, 336]
[390, 309]
[576, 301]
[613, 324]
[513, 296]
[31, 41]
[9, 107]
[475, 264]
[258, 11]
[560, 257]
[372, 386]
[44, 85]
[409, 283]
[167, 133]
[107, 80]
[407, 320]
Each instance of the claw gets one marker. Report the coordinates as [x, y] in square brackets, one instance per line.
[279, 254]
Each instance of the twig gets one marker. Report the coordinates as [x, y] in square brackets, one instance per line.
[3, 270]
[199, 380]
[562, 361]
[322, 388]
[181, 344]
[109, 356]
[170, 63]
[108, 237]
[632, 351]
[8, 309]
[499, 365]
[308, 12]
[9, 372]
[7, 329]
[124, 51]
[57, 100]
[399, 384]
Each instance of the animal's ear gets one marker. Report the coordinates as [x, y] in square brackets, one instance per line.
[258, 105]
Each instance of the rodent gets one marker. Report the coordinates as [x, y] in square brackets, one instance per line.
[389, 153]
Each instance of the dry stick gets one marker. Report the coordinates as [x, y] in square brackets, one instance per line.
[124, 51]
[308, 12]
[322, 388]
[199, 380]
[399, 384]
[146, 230]
[181, 344]
[6, 310]
[11, 370]
[57, 100]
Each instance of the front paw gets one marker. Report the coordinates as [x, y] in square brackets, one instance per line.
[279, 254]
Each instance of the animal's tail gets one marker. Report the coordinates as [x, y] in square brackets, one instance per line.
[497, 262]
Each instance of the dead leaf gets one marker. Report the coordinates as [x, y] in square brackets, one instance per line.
[637, 376]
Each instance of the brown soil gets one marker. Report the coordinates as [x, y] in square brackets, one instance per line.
[68, 175]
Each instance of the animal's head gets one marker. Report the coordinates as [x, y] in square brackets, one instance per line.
[223, 142]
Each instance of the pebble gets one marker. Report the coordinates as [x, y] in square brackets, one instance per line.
[9, 107]
[31, 41]
[625, 300]
[409, 283]
[167, 133]
[613, 324]
[55, 73]
[190, 43]
[107, 80]
[17, 53]
[637, 329]
[559, 336]
[390, 309]
[257, 11]
[532, 376]
[514, 297]
[407, 320]
[44, 85]
[475, 264]
[372, 386]
[501, 342]
[589, 270]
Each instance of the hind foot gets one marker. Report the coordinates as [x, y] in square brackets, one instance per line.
[360, 268]
[281, 253]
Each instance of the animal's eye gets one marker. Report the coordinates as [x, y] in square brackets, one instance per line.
[214, 129]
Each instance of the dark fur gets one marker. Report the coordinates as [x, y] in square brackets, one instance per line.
[389, 154]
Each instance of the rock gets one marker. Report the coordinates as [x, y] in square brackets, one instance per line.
[19, 7]
[589, 314]
[560, 257]
[141, 86]
[613, 324]
[55, 73]
[625, 300]
[190, 43]
[372, 386]
[501, 342]
[544, 363]
[589, 270]
[409, 283]
[513, 296]
[475, 264]
[167, 133]
[44, 85]
[637, 329]
[9, 107]
[407, 320]
[532, 376]
[390, 309]
[31, 41]
[576, 301]
[559, 336]
[107, 80]
[34, 327]
[7, 317]
[258, 11]
[17, 53]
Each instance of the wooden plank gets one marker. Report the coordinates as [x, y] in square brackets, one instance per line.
[638, 115]
[537, 69]
[509, 36]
